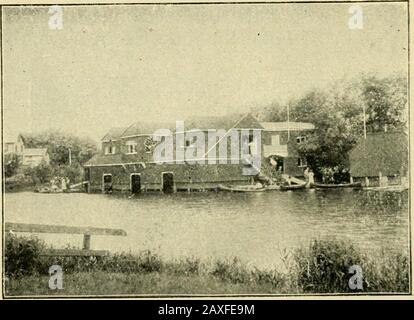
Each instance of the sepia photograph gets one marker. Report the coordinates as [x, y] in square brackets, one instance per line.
[205, 150]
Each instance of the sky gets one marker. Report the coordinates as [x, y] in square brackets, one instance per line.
[110, 66]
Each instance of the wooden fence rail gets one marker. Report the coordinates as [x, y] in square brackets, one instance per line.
[59, 229]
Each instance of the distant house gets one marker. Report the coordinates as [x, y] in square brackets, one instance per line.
[280, 143]
[34, 157]
[381, 159]
[13, 144]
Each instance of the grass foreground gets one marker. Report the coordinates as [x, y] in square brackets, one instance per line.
[323, 267]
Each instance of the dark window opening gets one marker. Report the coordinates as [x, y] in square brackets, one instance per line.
[135, 183]
[168, 182]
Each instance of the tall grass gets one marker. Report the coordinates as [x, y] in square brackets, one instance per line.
[323, 267]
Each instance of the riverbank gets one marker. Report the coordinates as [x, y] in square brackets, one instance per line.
[323, 267]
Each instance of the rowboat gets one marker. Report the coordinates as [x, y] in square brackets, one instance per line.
[50, 190]
[333, 186]
[242, 188]
[293, 187]
[271, 187]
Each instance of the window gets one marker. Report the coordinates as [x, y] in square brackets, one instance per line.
[131, 147]
[110, 150]
[276, 140]
[302, 162]
[300, 139]
[189, 143]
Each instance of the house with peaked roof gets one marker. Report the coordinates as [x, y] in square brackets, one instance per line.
[127, 160]
[380, 160]
[13, 144]
[33, 157]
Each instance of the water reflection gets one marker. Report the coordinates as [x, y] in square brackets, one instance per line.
[253, 226]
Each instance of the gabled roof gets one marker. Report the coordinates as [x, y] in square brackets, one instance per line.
[35, 152]
[246, 121]
[385, 152]
[114, 134]
[146, 128]
[9, 137]
[285, 126]
[238, 121]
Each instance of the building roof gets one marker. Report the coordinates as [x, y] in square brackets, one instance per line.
[146, 128]
[238, 121]
[385, 152]
[114, 134]
[113, 159]
[9, 137]
[246, 121]
[34, 151]
[285, 126]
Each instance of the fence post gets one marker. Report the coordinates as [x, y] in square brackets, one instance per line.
[86, 241]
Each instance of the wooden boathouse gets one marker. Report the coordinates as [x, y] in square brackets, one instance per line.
[380, 160]
[126, 160]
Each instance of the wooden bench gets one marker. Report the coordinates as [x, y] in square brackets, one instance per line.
[86, 231]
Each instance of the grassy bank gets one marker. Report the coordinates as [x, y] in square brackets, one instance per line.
[323, 267]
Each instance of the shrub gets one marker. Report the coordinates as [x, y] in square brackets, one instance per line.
[184, 267]
[40, 174]
[18, 182]
[233, 271]
[11, 163]
[23, 255]
[324, 268]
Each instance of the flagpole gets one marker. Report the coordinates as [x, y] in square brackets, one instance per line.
[288, 130]
[365, 125]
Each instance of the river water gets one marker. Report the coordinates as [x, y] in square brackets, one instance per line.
[255, 227]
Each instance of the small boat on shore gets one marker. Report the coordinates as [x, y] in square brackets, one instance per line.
[50, 190]
[293, 187]
[333, 186]
[242, 188]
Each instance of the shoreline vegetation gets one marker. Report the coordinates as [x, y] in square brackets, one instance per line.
[322, 267]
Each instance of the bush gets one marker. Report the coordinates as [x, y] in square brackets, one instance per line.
[40, 174]
[324, 268]
[321, 268]
[17, 182]
[11, 163]
[232, 271]
[23, 255]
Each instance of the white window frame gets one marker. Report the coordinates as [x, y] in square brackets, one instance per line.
[131, 144]
[303, 162]
[300, 139]
[113, 148]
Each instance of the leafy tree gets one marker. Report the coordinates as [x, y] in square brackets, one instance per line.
[337, 114]
[59, 145]
[11, 164]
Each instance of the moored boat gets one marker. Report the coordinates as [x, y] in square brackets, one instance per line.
[242, 188]
[333, 186]
[293, 187]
